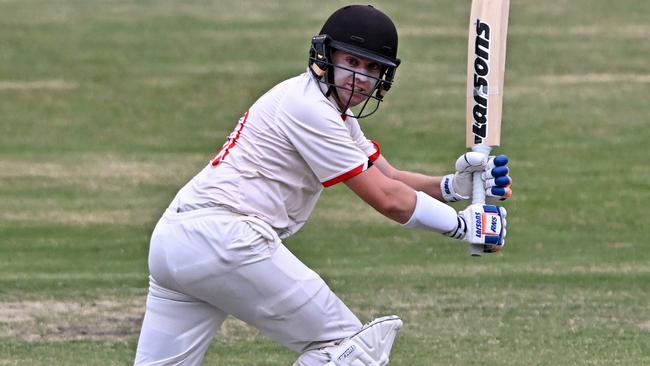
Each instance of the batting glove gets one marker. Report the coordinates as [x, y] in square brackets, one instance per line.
[458, 186]
[482, 224]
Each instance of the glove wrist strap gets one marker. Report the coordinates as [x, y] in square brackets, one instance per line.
[460, 231]
[447, 189]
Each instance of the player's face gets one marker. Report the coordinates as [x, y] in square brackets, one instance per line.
[354, 73]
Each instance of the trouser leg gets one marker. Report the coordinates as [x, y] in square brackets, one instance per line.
[284, 299]
[177, 329]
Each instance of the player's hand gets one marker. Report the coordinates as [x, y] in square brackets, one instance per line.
[495, 176]
[482, 224]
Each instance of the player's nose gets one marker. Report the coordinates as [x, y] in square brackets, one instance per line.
[360, 77]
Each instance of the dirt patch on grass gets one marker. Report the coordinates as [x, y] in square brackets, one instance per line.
[135, 216]
[100, 183]
[91, 170]
[55, 85]
[645, 326]
[629, 31]
[162, 82]
[49, 320]
[477, 270]
[595, 78]
[102, 319]
[589, 84]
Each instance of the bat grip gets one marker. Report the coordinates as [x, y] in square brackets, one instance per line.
[478, 195]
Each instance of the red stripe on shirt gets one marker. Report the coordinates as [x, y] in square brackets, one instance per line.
[375, 156]
[344, 176]
[230, 143]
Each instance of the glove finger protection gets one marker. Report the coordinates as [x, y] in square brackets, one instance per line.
[497, 178]
[499, 160]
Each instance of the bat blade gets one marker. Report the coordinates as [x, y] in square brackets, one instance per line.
[486, 60]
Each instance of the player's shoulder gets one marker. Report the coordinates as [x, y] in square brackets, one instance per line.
[304, 101]
[302, 89]
[298, 102]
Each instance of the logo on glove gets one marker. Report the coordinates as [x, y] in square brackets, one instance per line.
[446, 185]
[481, 222]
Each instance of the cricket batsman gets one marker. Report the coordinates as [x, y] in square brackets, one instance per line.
[217, 250]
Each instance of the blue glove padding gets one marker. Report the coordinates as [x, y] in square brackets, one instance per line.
[484, 224]
[497, 180]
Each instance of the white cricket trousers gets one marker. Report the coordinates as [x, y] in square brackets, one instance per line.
[208, 263]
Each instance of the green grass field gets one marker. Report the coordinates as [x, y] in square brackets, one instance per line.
[108, 107]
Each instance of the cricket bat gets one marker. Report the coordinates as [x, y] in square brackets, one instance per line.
[486, 61]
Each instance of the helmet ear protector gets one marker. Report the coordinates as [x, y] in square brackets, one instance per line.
[387, 81]
[319, 56]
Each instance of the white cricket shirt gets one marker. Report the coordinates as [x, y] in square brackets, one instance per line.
[290, 144]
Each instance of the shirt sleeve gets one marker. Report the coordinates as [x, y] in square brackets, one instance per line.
[321, 137]
[370, 147]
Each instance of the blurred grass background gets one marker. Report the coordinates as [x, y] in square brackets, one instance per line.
[108, 107]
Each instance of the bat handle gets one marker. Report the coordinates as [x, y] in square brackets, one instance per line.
[478, 195]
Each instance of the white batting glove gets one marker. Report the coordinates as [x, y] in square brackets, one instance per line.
[482, 224]
[458, 186]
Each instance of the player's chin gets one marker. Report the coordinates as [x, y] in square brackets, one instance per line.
[357, 99]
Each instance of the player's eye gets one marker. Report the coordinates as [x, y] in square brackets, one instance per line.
[352, 61]
[374, 67]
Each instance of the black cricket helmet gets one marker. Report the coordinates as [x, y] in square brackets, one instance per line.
[363, 31]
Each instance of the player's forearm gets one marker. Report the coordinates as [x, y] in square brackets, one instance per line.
[420, 182]
[389, 197]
